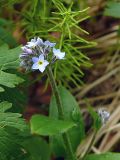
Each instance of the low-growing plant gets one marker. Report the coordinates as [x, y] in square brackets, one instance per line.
[56, 49]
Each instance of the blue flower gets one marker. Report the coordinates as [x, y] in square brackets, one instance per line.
[36, 53]
[58, 54]
[35, 42]
[39, 63]
[49, 44]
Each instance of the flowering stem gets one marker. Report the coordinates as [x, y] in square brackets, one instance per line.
[65, 136]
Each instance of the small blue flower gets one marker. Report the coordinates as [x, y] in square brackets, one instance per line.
[39, 63]
[35, 42]
[49, 44]
[58, 54]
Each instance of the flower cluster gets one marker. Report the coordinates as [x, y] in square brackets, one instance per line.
[35, 54]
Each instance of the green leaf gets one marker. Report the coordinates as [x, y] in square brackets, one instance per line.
[106, 156]
[9, 80]
[96, 119]
[5, 142]
[5, 106]
[45, 126]
[2, 89]
[5, 22]
[113, 9]
[71, 113]
[9, 58]
[7, 37]
[16, 96]
[9, 147]
[11, 126]
[37, 148]
[12, 120]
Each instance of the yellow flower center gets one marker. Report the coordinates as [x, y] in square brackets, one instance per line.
[40, 62]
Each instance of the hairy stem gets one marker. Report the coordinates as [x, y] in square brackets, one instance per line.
[68, 147]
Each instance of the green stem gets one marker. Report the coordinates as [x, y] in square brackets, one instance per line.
[65, 136]
[55, 92]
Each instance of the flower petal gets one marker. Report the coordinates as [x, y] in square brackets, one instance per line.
[61, 55]
[41, 57]
[35, 66]
[27, 50]
[46, 63]
[58, 53]
[39, 41]
[41, 68]
[33, 40]
[55, 50]
[30, 44]
[35, 59]
[49, 44]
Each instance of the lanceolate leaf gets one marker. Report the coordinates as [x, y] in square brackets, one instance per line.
[106, 156]
[46, 126]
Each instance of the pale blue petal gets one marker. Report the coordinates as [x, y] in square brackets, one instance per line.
[46, 63]
[54, 50]
[39, 41]
[35, 59]
[35, 66]
[41, 68]
[41, 57]
[58, 53]
[48, 43]
[30, 44]
[33, 40]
